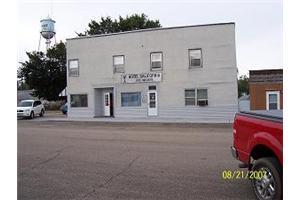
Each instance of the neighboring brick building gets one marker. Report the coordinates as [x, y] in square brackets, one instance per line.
[266, 89]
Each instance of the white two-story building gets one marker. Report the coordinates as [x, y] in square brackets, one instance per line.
[186, 72]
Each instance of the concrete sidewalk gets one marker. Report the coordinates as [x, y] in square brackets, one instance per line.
[130, 120]
[59, 117]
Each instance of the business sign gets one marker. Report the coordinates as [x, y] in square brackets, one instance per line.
[142, 78]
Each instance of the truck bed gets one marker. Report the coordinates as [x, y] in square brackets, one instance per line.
[257, 128]
[273, 115]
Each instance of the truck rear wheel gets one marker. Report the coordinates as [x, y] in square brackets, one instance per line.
[269, 186]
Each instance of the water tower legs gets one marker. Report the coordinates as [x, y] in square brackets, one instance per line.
[39, 42]
[48, 41]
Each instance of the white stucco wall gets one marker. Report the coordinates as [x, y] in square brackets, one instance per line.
[219, 72]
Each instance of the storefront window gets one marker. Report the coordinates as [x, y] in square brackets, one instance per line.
[79, 100]
[131, 99]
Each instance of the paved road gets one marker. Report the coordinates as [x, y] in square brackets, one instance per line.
[88, 160]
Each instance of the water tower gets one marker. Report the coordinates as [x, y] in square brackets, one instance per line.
[47, 31]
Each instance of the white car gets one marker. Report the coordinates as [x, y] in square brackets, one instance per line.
[30, 108]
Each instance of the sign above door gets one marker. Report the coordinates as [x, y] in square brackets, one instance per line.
[142, 77]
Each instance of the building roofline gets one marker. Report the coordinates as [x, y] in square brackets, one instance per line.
[274, 69]
[150, 29]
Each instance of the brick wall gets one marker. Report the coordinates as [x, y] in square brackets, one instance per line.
[258, 94]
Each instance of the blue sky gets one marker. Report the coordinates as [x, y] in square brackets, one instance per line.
[259, 39]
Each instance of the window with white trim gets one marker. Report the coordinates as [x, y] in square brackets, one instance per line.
[202, 99]
[273, 100]
[73, 67]
[195, 58]
[156, 59]
[196, 97]
[190, 97]
[118, 63]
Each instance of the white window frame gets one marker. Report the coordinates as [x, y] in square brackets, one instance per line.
[198, 99]
[118, 56]
[267, 99]
[119, 68]
[196, 96]
[73, 75]
[151, 60]
[190, 58]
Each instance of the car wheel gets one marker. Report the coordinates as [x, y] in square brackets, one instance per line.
[31, 115]
[269, 186]
[42, 113]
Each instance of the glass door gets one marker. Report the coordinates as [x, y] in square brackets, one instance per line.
[152, 103]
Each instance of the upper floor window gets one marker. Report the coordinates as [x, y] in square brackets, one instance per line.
[156, 59]
[73, 67]
[118, 63]
[195, 58]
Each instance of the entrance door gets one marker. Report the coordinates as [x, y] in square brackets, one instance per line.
[152, 103]
[107, 104]
[111, 104]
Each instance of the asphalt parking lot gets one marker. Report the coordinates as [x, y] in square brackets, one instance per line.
[93, 160]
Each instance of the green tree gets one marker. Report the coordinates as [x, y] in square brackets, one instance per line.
[129, 23]
[243, 85]
[45, 73]
[21, 85]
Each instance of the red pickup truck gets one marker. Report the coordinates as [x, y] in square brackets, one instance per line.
[257, 143]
